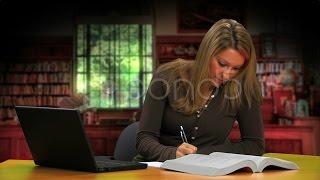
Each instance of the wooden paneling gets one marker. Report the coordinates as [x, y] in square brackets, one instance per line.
[13, 145]
[315, 123]
[267, 110]
[23, 151]
[103, 138]
[294, 146]
[99, 145]
[5, 149]
[287, 139]
[300, 138]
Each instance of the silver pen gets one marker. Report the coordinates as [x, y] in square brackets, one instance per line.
[183, 135]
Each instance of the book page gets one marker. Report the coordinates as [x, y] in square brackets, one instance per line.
[256, 159]
[260, 161]
[208, 165]
[218, 162]
[277, 162]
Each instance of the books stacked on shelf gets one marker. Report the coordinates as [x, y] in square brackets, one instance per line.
[268, 72]
[49, 66]
[44, 78]
[33, 84]
[35, 89]
[276, 66]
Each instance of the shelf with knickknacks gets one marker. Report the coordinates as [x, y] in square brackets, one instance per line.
[288, 102]
[189, 50]
[169, 48]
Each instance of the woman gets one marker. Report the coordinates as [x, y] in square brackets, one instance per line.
[204, 97]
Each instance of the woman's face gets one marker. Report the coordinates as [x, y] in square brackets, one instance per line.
[225, 65]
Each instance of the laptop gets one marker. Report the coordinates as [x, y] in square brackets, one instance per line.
[56, 138]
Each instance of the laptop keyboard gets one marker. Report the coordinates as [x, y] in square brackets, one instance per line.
[110, 163]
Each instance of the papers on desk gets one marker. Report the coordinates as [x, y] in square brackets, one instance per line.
[153, 164]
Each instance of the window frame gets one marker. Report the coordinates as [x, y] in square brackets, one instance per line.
[100, 20]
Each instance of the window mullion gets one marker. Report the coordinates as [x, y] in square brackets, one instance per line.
[100, 64]
[118, 65]
[129, 56]
[140, 37]
[114, 67]
[88, 61]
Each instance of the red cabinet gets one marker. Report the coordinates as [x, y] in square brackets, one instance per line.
[303, 137]
[12, 143]
[14, 146]
[103, 138]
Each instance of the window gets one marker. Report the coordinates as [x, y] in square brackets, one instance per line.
[114, 64]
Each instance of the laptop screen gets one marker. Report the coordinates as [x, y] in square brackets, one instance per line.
[56, 137]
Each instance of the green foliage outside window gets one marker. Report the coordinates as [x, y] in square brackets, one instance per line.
[114, 64]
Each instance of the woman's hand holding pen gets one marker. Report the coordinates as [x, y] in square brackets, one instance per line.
[184, 149]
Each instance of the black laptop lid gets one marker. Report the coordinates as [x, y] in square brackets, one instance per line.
[56, 137]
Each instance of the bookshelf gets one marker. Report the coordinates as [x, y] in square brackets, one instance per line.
[277, 53]
[34, 73]
[268, 71]
[274, 54]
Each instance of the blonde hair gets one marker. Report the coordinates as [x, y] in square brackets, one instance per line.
[225, 33]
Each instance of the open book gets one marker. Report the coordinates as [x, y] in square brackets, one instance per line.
[218, 163]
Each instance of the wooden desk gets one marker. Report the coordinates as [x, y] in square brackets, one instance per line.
[25, 169]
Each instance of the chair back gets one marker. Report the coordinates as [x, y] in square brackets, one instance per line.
[125, 149]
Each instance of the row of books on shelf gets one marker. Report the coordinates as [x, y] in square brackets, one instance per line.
[266, 84]
[35, 78]
[269, 81]
[38, 89]
[51, 101]
[277, 67]
[48, 66]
